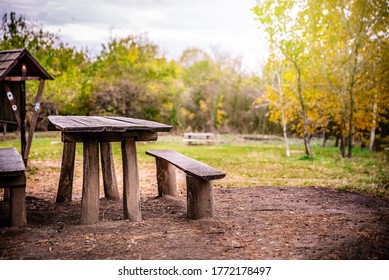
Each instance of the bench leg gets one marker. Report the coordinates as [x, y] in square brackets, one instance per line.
[18, 206]
[199, 198]
[65, 185]
[90, 202]
[166, 178]
[111, 190]
[131, 195]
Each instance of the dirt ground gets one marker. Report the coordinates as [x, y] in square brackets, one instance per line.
[250, 223]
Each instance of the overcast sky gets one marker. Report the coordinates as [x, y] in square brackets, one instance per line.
[174, 25]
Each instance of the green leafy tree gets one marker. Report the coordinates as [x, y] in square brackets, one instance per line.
[334, 48]
[132, 78]
[287, 42]
[64, 63]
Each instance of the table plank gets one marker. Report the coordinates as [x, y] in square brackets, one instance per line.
[104, 124]
[134, 124]
[73, 124]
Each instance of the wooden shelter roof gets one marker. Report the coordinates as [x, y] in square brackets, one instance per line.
[11, 66]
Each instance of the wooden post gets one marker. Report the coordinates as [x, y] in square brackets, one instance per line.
[65, 185]
[18, 206]
[199, 198]
[34, 119]
[23, 138]
[111, 190]
[166, 178]
[90, 202]
[14, 105]
[131, 196]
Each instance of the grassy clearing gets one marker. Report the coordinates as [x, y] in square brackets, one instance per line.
[254, 163]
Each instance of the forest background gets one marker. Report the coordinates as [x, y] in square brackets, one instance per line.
[326, 75]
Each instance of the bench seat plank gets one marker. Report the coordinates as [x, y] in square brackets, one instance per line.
[11, 163]
[188, 165]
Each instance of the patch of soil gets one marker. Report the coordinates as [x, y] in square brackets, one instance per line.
[249, 223]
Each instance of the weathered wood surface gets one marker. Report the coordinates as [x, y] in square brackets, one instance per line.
[199, 138]
[10, 59]
[14, 105]
[65, 185]
[90, 202]
[199, 135]
[131, 195]
[11, 162]
[18, 206]
[103, 124]
[12, 177]
[188, 165]
[199, 198]
[109, 136]
[92, 130]
[166, 178]
[199, 178]
[34, 119]
[111, 190]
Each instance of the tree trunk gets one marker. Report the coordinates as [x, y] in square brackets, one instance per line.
[284, 128]
[303, 112]
[343, 145]
[350, 134]
[353, 73]
[287, 150]
[373, 129]
[325, 138]
[343, 131]
[337, 141]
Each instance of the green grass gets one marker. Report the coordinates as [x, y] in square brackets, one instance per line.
[250, 164]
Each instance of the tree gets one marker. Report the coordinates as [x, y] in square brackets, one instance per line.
[280, 21]
[218, 94]
[132, 78]
[334, 47]
[351, 39]
[64, 63]
[275, 97]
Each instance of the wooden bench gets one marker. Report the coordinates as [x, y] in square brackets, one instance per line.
[205, 138]
[12, 176]
[199, 178]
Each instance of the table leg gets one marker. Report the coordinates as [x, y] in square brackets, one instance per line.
[65, 185]
[18, 206]
[111, 190]
[131, 196]
[90, 202]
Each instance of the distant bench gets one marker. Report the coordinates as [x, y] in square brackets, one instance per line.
[195, 138]
[199, 178]
[12, 176]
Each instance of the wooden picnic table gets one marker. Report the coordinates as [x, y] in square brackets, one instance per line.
[92, 131]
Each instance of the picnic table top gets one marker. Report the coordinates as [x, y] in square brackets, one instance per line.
[104, 124]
